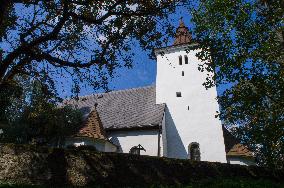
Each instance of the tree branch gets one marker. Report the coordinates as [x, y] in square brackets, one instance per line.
[26, 47]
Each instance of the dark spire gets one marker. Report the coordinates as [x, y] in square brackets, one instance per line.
[183, 36]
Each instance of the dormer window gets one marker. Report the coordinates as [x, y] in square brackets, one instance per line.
[180, 60]
[185, 59]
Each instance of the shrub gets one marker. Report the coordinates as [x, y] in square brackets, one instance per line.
[87, 147]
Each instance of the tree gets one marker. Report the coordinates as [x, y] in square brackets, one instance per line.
[46, 39]
[8, 92]
[41, 120]
[242, 42]
[85, 38]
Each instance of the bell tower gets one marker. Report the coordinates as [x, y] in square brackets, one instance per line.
[190, 129]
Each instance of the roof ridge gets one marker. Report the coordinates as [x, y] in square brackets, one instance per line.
[118, 91]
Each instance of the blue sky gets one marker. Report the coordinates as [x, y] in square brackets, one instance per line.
[142, 74]
[144, 69]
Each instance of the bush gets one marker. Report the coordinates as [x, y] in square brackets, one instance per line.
[87, 147]
[71, 147]
[82, 147]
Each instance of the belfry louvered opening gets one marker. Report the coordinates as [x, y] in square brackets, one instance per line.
[185, 59]
[178, 94]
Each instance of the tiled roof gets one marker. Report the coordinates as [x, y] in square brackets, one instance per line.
[183, 36]
[93, 127]
[239, 150]
[131, 108]
[229, 139]
[233, 147]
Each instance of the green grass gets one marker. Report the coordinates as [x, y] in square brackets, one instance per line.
[225, 183]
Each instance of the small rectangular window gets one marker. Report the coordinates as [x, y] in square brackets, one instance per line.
[178, 94]
[185, 59]
[182, 73]
[180, 60]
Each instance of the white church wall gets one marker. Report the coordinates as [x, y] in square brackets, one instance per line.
[240, 161]
[100, 145]
[125, 140]
[191, 117]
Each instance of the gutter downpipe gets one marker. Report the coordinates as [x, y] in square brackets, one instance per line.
[159, 141]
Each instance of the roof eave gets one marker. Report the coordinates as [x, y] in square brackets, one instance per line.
[174, 47]
[141, 127]
[241, 156]
[93, 138]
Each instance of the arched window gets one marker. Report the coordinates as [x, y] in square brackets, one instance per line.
[194, 151]
[180, 60]
[185, 59]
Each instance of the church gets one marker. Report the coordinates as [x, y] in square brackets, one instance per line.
[174, 118]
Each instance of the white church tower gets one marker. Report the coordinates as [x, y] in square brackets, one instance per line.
[190, 129]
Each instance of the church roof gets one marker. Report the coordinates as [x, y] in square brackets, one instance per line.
[123, 109]
[233, 146]
[93, 127]
[132, 109]
[240, 150]
[183, 36]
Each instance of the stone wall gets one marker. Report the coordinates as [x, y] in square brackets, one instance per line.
[43, 166]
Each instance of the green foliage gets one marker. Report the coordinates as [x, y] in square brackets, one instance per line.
[40, 119]
[86, 147]
[243, 42]
[8, 94]
[50, 123]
